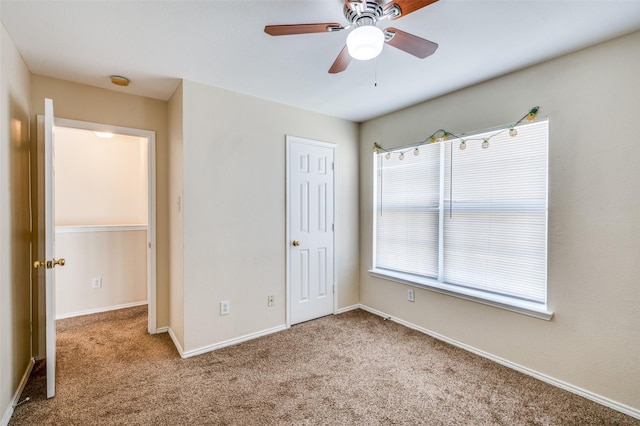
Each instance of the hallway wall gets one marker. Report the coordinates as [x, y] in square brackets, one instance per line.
[79, 102]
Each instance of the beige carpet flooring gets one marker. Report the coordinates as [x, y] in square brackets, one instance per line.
[350, 369]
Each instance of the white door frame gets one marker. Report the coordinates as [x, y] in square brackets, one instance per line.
[151, 200]
[289, 140]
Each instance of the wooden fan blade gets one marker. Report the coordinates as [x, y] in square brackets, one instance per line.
[342, 62]
[278, 30]
[410, 43]
[407, 6]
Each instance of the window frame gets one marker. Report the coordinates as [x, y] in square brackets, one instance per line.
[438, 285]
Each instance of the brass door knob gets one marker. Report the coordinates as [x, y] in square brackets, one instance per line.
[296, 243]
[48, 263]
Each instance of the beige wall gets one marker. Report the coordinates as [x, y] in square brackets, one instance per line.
[117, 256]
[234, 210]
[592, 99]
[15, 250]
[100, 181]
[79, 102]
[176, 232]
[231, 163]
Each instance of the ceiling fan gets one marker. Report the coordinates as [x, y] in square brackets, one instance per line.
[365, 41]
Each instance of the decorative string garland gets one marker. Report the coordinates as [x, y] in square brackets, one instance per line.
[441, 135]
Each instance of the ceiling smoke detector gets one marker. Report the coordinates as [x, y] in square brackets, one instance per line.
[119, 80]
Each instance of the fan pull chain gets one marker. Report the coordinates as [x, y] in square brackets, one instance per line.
[375, 72]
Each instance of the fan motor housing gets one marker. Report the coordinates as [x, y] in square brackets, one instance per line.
[361, 13]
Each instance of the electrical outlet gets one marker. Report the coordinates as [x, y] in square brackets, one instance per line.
[96, 282]
[411, 295]
[271, 300]
[225, 307]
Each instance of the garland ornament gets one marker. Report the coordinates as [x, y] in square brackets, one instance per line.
[442, 135]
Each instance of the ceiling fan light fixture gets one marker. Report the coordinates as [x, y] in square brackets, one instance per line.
[105, 135]
[365, 42]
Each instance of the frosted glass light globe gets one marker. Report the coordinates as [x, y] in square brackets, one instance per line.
[365, 42]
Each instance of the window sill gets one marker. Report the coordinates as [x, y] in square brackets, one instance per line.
[519, 306]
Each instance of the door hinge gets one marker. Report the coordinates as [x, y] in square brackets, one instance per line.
[333, 166]
[333, 226]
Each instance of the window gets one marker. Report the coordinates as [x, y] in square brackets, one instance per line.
[469, 222]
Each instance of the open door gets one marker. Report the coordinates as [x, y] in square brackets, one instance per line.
[46, 235]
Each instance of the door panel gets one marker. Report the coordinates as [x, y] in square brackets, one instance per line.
[310, 228]
[50, 249]
[46, 244]
[304, 276]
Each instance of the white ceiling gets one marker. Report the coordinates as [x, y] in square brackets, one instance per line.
[222, 43]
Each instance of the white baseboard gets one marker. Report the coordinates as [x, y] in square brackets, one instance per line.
[226, 343]
[104, 309]
[347, 309]
[176, 342]
[16, 396]
[630, 411]
[161, 330]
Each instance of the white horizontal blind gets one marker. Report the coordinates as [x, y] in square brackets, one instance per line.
[495, 221]
[407, 215]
